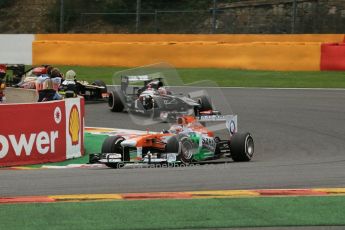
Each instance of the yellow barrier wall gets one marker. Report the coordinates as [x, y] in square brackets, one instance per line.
[220, 51]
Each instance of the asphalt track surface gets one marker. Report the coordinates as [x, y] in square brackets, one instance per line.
[299, 143]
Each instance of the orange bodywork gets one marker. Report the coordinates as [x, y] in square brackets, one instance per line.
[155, 140]
[192, 123]
[152, 140]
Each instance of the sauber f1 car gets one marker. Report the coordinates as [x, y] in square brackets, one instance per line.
[186, 142]
[154, 100]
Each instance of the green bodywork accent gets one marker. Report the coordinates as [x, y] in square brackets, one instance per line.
[202, 152]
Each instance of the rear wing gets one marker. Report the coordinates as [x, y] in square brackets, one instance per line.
[126, 80]
[230, 121]
[146, 79]
[135, 78]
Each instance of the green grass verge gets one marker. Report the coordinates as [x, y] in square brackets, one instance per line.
[230, 77]
[172, 214]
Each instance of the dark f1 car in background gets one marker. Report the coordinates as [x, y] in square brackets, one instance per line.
[94, 91]
[71, 87]
[152, 99]
[186, 142]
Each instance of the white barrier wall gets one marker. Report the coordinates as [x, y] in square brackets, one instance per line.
[16, 48]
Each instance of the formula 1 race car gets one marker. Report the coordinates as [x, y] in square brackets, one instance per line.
[186, 142]
[91, 92]
[154, 100]
[22, 78]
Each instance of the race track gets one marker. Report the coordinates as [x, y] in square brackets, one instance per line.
[299, 143]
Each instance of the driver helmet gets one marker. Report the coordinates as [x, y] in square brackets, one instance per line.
[153, 84]
[176, 129]
[181, 121]
[149, 87]
[162, 91]
[147, 92]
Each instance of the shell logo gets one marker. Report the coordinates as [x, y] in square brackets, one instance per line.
[74, 125]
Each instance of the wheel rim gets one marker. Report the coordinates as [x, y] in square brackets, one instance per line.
[249, 146]
[118, 146]
[187, 150]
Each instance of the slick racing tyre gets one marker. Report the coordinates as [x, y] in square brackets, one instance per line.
[183, 146]
[114, 102]
[242, 147]
[112, 144]
[172, 145]
[101, 83]
[205, 103]
[186, 150]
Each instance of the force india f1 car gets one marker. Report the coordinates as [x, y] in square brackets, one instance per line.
[154, 101]
[186, 142]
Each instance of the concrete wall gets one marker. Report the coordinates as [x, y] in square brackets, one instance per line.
[16, 48]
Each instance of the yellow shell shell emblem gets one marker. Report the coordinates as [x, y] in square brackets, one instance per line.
[74, 125]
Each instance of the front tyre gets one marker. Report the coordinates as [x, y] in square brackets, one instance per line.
[114, 102]
[242, 147]
[187, 149]
[183, 146]
[112, 144]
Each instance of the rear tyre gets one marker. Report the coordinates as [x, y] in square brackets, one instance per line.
[101, 83]
[205, 103]
[98, 92]
[242, 147]
[112, 144]
[114, 102]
